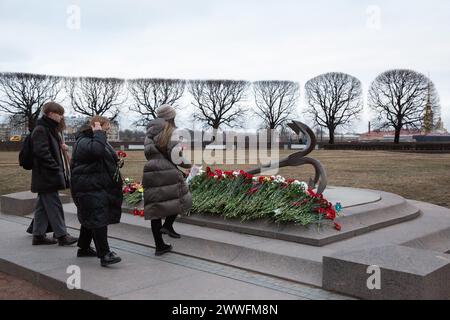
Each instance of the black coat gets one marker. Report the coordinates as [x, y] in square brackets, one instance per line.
[97, 196]
[48, 169]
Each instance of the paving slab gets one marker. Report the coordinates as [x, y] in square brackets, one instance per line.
[288, 260]
[140, 275]
[194, 288]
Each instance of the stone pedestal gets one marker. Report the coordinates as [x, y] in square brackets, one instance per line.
[404, 273]
[23, 203]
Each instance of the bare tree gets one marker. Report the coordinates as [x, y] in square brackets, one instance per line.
[150, 94]
[333, 99]
[275, 101]
[22, 95]
[96, 96]
[399, 98]
[217, 102]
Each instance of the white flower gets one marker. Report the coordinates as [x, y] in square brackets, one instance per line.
[277, 211]
[255, 178]
[224, 175]
[279, 179]
[216, 176]
[236, 173]
[304, 185]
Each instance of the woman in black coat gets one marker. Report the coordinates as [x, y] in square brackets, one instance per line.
[96, 189]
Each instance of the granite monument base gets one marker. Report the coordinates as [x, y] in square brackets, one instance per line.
[23, 203]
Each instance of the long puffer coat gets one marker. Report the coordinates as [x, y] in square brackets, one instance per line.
[48, 169]
[165, 190]
[95, 193]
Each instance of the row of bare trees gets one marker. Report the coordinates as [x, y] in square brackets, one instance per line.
[333, 100]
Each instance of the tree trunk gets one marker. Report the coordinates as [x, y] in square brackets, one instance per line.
[31, 123]
[331, 136]
[397, 136]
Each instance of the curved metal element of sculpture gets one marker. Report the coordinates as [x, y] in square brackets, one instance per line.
[299, 158]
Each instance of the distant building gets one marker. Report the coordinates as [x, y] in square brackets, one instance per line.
[388, 136]
[438, 134]
[114, 132]
[428, 118]
[18, 125]
[74, 123]
[4, 132]
[440, 127]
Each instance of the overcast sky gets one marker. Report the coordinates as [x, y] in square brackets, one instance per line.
[251, 40]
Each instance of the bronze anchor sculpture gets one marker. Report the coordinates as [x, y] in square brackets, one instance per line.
[299, 158]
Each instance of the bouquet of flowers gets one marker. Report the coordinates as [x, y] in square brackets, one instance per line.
[133, 192]
[122, 155]
[238, 194]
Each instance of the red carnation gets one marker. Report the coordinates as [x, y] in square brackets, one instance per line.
[337, 226]
[121, 154]
[252, 190]
[126, 190]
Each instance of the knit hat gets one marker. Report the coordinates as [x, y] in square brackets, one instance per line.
[166, 112]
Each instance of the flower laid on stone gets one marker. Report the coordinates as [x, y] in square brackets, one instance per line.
[133, 192]
[137, 212]
[238, 194]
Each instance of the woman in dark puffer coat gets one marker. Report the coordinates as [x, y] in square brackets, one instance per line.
[96, 191]
[166, 193]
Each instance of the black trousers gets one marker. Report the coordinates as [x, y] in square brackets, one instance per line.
[156, 229]
[100, 237]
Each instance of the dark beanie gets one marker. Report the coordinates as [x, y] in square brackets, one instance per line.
[166, 112]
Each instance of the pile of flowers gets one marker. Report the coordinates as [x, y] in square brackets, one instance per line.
[133, 192]
[238, 194]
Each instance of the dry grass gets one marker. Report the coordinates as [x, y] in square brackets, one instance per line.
[424, 177]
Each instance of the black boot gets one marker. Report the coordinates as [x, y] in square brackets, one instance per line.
[164, 248]
[67, 240]
[89, 252]
[42, 240]
[161, 247]
[109, 258]
[167, 227]
[170, 232]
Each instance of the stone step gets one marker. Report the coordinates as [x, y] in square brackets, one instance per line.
[264, 255]
[23, 203]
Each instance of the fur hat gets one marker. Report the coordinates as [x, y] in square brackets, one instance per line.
[166, 112]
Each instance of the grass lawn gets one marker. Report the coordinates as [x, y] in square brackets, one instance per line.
[424, 177]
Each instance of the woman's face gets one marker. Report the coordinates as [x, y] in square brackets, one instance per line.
[106, 126]
[55, 116]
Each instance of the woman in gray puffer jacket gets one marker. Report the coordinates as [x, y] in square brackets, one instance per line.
[166, 193]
